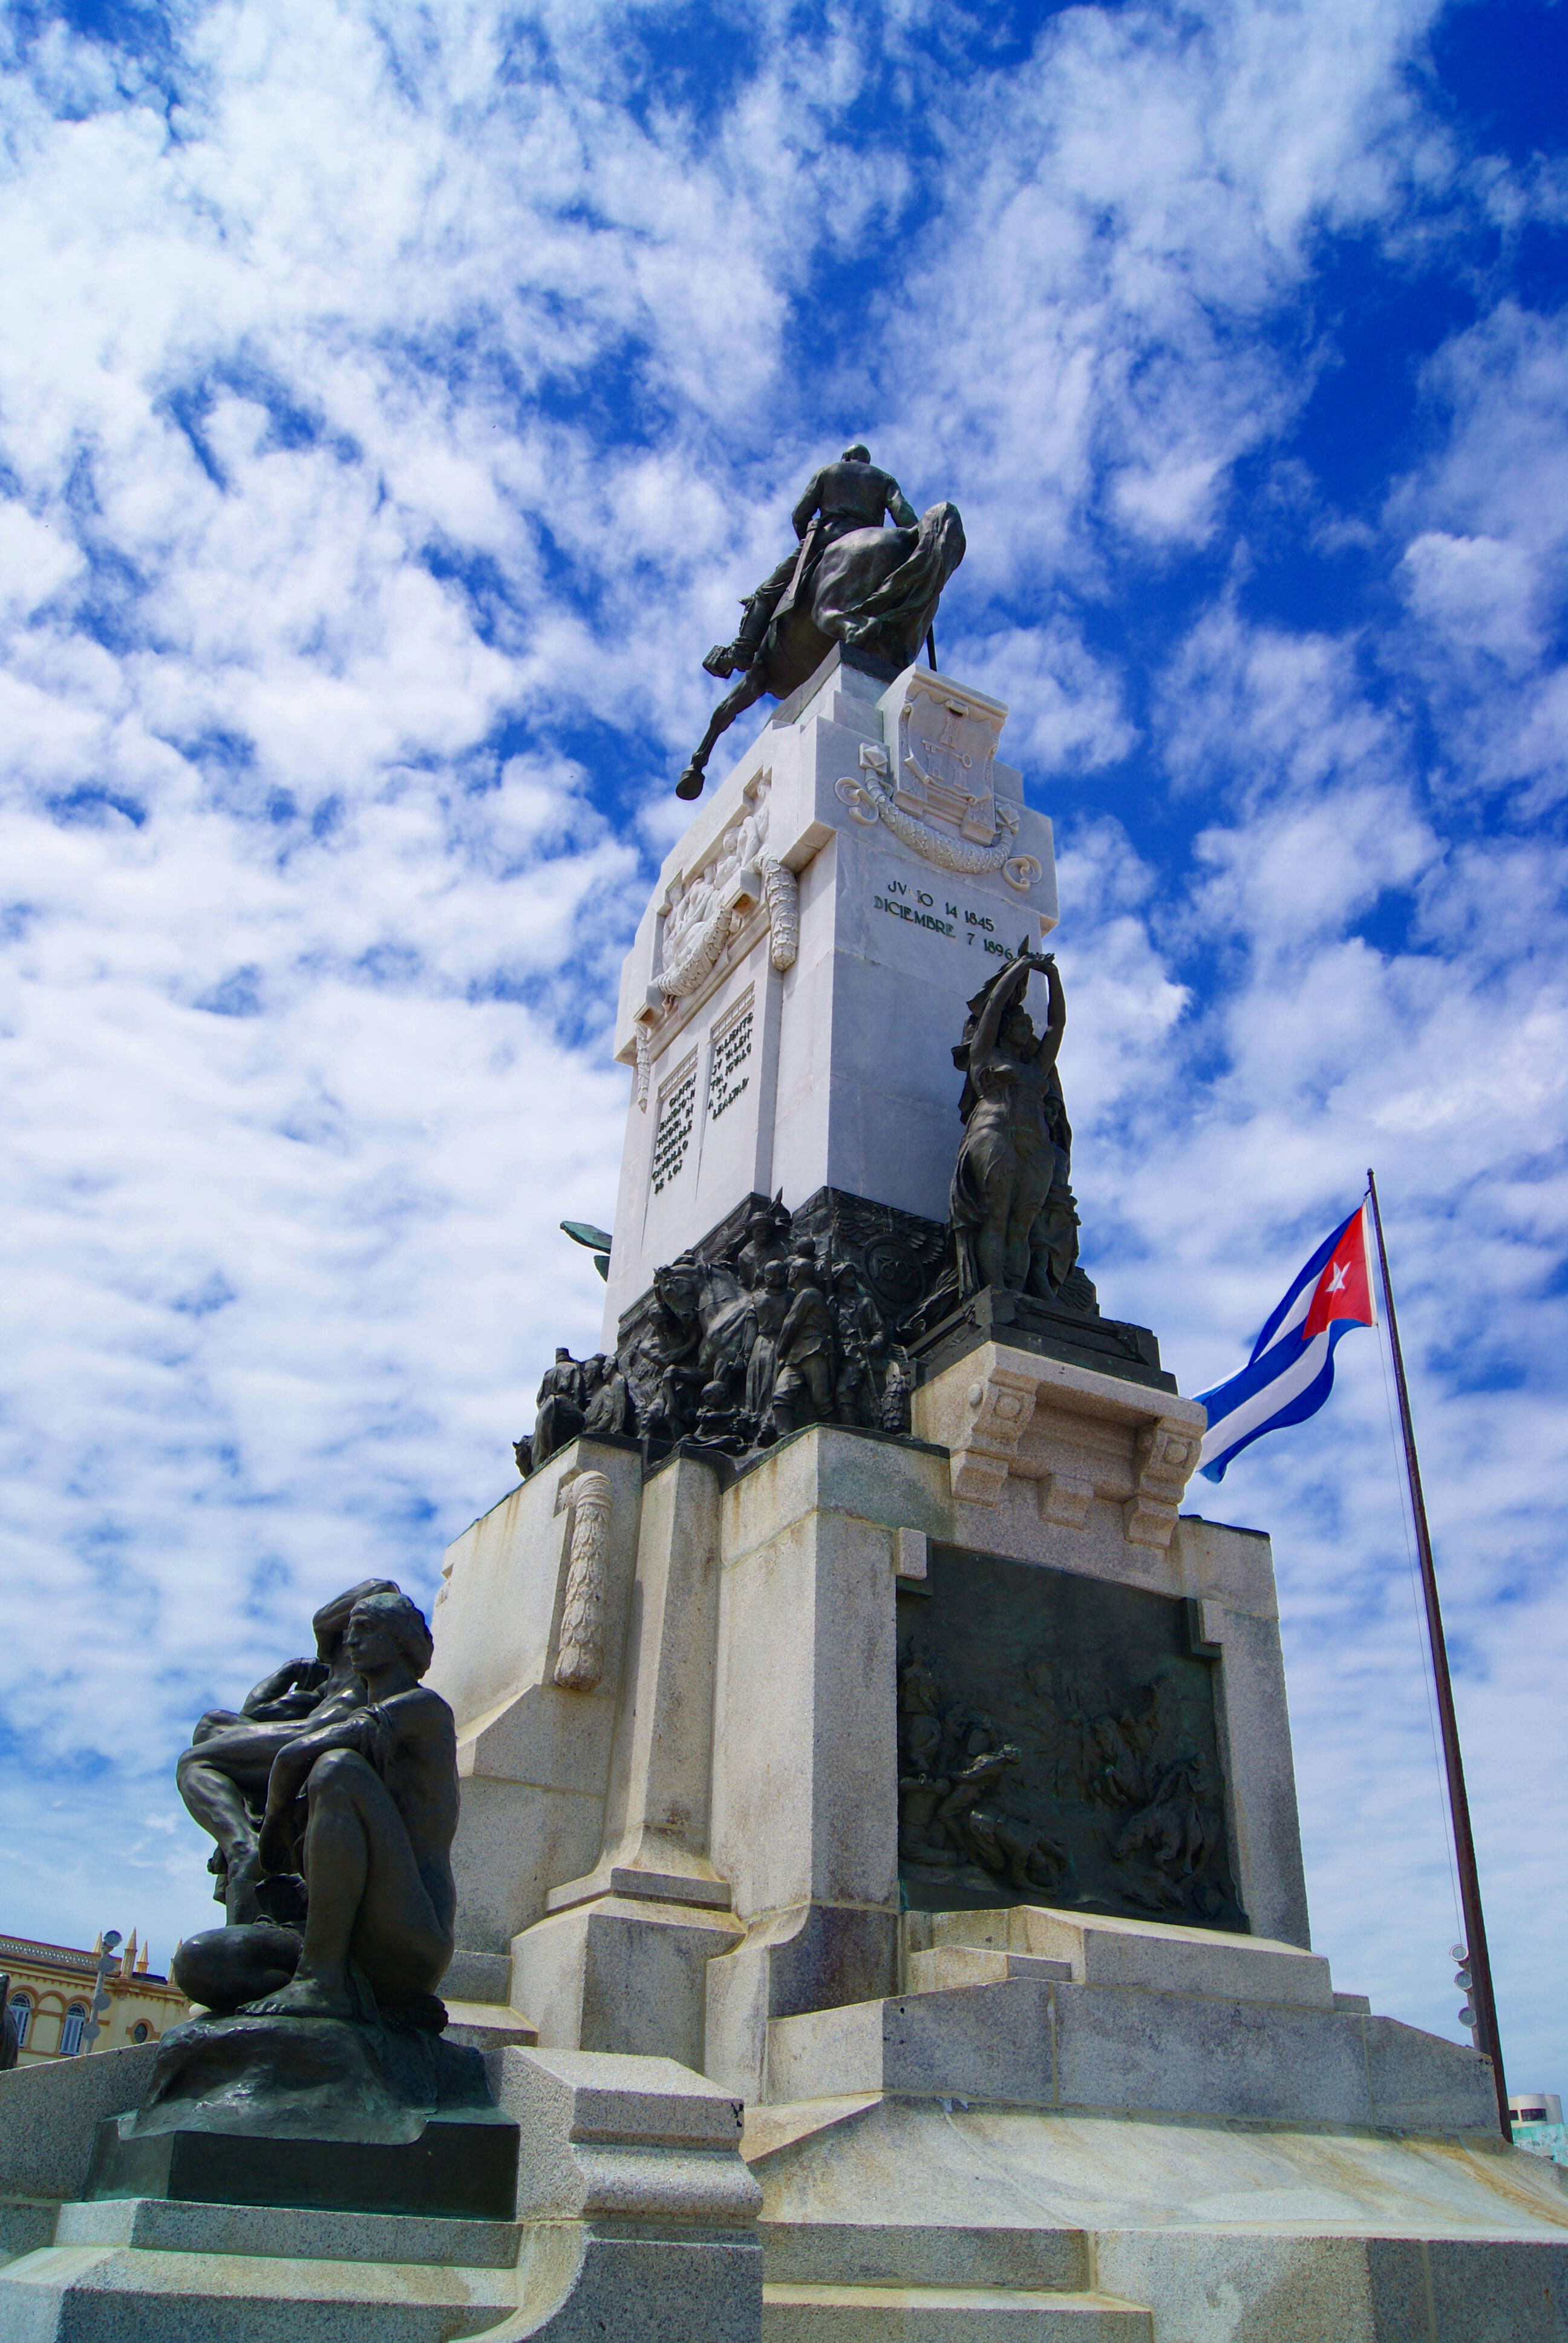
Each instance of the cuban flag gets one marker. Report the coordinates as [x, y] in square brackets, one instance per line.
[1292, 1370]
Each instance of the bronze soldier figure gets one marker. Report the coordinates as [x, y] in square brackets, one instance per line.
[853, 493]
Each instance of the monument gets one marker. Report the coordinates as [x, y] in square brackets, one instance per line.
[848, 1813]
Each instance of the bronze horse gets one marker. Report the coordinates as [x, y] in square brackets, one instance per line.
[876, 589]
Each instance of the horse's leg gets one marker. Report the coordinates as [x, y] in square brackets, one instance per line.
[750, 688]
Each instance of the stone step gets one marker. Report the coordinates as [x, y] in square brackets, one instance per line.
[1156, 1956]
[140, 2297]
[286, 2232]
[489, 2026]
[917, 2254]
[961, 1964]
[1040, 2042]
[795, 2313]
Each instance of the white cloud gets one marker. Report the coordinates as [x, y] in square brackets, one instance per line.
[1484, 567]
[1476, 592]
[1065, 706]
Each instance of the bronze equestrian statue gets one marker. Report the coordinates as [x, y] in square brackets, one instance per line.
[851, 580]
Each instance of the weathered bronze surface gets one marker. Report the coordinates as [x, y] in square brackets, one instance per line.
[1057, 1744]
[850, 581]
[1014, 1221]
[333, 1796]
[775, 1320]
[854, 493]
[709, 1353]
[463, 2166]
[222, 1775]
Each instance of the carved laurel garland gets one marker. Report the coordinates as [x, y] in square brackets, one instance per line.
[695, 940]
[579, 1661]
[696, 958]
[781, 892]
[869, 800]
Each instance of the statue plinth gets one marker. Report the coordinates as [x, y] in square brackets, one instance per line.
[1080, 1337]
[456, 2166]
[791, 1001]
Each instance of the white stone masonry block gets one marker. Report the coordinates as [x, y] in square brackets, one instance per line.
[1005, 1413]
[623, 2138]
[797, 983]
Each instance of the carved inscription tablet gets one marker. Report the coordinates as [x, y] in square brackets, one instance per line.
[729, 1058]
[672, 1133]
[1057, 1744]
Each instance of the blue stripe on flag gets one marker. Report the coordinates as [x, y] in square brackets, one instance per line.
[1286, 1379]
[1287, 1384]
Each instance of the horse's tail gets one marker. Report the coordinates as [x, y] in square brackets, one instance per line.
[906, 601]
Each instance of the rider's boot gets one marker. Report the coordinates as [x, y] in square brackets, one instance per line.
[725, 659]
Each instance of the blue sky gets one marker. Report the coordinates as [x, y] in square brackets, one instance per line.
[395, 402]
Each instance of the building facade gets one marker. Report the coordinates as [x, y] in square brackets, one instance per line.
[51, 1997]
[1538, 2125]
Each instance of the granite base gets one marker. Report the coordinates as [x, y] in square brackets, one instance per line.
[460, 2166]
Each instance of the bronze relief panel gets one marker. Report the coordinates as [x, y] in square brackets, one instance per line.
[1057, 1744]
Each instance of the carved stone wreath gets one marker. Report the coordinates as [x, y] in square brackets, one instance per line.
[870, 800]
[716, 906]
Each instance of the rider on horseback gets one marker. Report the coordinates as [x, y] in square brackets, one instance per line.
[851, 494]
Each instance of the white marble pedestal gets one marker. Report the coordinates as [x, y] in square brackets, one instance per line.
[967, 2123]
[705, 1837]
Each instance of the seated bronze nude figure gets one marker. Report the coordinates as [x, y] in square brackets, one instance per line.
[358, 1802]
[363, 1808]
[333, 1793]
[222, 1775]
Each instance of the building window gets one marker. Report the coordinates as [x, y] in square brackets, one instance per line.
[72, 2031]
[141, 2031]
[22, 2017]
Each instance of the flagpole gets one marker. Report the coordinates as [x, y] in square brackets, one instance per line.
[1485, 2004]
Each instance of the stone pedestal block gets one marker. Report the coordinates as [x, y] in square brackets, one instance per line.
[461, 2165]
[707, 1839]
[656, 1816]
[1058, 2010]
[805, 1820]
[639, 2214]
[1002, 1411]
[533, 1754]
[622, 1973]
[630, 2218]
[789, 1003]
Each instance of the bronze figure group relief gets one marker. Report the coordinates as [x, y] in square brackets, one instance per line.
[1057, 1743]
[790, 1320]
[814, 1316]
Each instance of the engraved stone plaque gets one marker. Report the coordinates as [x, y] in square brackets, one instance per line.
[1057, 1744]
[672, 1134]
[729, 1058]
